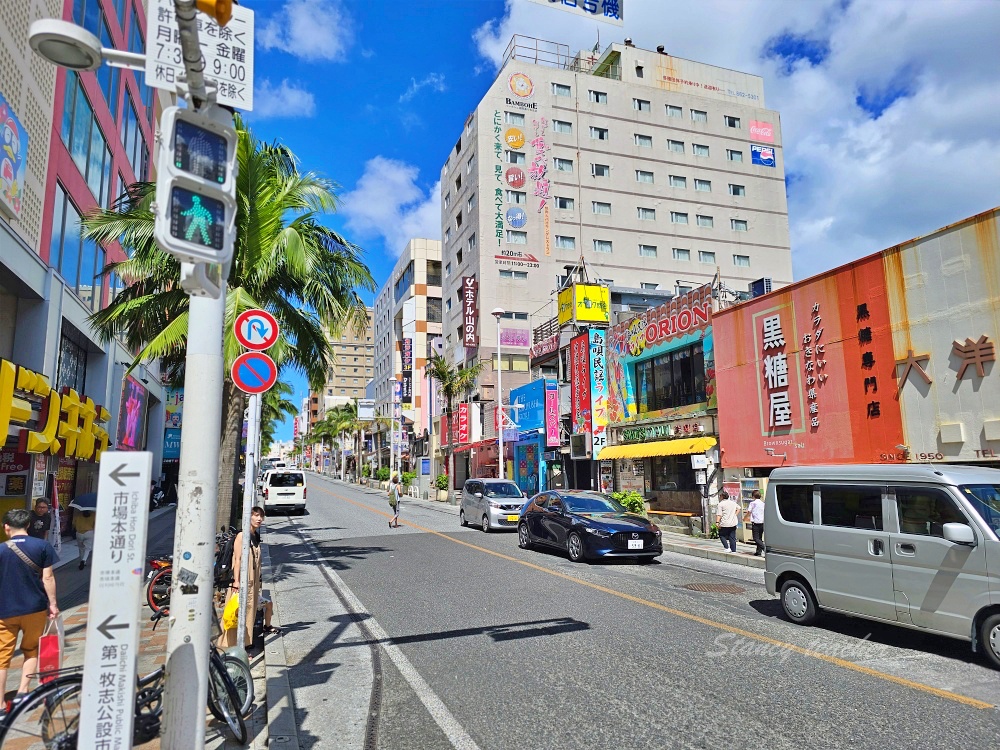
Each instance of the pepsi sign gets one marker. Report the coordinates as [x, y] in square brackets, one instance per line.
[762, 155]
[517, 217]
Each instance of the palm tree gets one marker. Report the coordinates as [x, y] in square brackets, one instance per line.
[343, 421]
[454, 382]
[284, 261]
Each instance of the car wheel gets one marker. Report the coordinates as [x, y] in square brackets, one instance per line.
[574, 545]
[523, 537]
[798, 603]
[989, 636]
[461, 517]
[486, 522]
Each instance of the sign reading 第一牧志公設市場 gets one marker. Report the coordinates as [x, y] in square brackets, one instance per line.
[227, 52]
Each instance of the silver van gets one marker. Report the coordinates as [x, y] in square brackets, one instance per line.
[913, 545]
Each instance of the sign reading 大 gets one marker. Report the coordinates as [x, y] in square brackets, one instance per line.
[762, 155]
[13, 158]
[517, 217]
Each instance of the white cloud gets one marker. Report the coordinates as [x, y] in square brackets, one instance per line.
[861, 179]
[434, 81]
[387, 202]
[284, 100]
[310, 29]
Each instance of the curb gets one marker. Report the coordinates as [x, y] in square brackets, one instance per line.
[745, 559]
[281, 724]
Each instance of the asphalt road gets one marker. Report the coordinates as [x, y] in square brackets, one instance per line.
[468, 641]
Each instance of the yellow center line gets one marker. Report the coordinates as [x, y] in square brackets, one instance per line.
[844, 663]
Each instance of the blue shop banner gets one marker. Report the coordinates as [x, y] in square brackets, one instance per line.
[171, 445]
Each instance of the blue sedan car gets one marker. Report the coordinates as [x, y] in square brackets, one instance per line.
[587, 525]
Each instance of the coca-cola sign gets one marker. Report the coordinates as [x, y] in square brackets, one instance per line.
[470, 312]
[761, 131]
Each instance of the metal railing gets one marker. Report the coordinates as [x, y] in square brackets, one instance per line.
[555, 55]
[547, 329]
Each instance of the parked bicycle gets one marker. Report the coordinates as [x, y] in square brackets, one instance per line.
[160, 578]
[48, 718]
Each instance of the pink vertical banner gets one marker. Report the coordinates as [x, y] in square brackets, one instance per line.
[551, 417]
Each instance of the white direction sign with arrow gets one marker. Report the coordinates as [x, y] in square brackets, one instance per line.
[116, 580]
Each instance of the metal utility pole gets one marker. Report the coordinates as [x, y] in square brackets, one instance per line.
[249, 495]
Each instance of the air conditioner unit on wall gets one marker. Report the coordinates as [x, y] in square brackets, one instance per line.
[579, 446]
[760, 287]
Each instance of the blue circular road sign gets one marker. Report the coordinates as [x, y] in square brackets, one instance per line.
[254, 372]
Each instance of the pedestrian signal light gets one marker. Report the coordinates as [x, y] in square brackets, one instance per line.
[195, 191]
[220, 10]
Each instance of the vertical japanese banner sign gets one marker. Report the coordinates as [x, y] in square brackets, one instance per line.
[470, 312]
[463, 424]
[598, 392]
[579, 354]
[551, 415]
[407, 396]
[779, 403]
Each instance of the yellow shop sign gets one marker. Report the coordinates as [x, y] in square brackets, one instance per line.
[584, 303]
[64, 424]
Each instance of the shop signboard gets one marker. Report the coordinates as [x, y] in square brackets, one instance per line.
[664, 431]
[518, 337]
[551, 414]
[598, 393]
[528, 403]
[580, 406]
[463, 424]
[544, 348]
[13, 160]
[132, 415]
[174, 407]
[585, 303]
[470, 312]
[762, 156]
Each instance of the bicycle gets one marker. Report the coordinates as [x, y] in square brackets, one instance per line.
[49, 717]
[160, 578]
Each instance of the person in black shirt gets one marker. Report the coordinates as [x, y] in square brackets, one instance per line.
[41, 520]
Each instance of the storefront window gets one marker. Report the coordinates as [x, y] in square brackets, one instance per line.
[672, 379]
[672, 473]
[72, 366]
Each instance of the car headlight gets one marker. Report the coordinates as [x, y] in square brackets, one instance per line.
[597, 532]
[495, 506]
[656, 530]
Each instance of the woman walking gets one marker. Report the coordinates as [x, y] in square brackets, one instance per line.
[394, 500]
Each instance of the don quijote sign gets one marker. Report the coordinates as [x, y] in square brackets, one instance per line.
[470, 312]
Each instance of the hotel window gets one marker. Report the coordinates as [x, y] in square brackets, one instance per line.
[517, 197]
[678, 182]
[676, 146]
[673, 111]
[706, 256]
[599, 134]
[515, 362]
[601, 208]
[741, 260]
[83, 139]
[737, 190]
[561, 126]
[517, 275]
[731, 122]
[447, 270]
[513, 118]
[469, 163]
[681, 254]
[447, 235]
[561, 89]
[739, 225]
[648, 285]
[600, 170]
[646, 214]
[562, 165]
[640, 105]
[567, 204]
[515, 237]
[642, 175]
[565, 243]
[698, 115]
[447, 200]
[734, 155]
[647, 251]
[598, 97]
[678, 218]
[706, 221]
[458, 220]
[704, 186]
[515, 157]
[602, 246]
[472, 242]
[646, 141]
[458, 183]
[471, 203]
[699, 149]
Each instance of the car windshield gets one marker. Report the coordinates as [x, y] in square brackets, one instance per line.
[502, 489]
[291, 479]
[985, 498]
[592, 504]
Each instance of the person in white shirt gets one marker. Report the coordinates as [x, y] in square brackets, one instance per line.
[727, 516]
[755, 514]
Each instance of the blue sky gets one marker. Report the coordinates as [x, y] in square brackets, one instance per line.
[888, 107]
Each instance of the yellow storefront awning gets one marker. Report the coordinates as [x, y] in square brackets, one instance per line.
[679, 447]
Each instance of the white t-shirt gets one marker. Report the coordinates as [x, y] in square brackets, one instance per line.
[756, 509]
[729, 511]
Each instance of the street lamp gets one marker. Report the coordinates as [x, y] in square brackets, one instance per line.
[70, 46]
[498, 313]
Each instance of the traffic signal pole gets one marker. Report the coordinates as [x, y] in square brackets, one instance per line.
[191, 605]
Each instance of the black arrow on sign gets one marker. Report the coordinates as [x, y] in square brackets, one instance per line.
[117, 474]
[105, 626]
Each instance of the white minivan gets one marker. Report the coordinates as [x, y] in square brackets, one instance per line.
[284, 489]
[911, 545]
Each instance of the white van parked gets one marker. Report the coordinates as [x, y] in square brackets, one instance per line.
[284, 489]
[912, 545]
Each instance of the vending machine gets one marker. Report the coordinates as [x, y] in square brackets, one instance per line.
[747, 485]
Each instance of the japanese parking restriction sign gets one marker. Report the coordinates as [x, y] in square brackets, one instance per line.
[254, 372]
[256, 329]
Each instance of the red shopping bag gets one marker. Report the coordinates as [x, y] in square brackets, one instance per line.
[50, 648]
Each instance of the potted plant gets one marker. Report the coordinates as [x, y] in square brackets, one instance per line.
[633, 501]
[441, 484]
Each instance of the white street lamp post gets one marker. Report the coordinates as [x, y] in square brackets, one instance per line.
[498, 313]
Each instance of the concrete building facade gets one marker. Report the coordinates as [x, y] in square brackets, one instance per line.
[350, 372]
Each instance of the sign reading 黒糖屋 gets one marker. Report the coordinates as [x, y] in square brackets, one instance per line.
[470, 312]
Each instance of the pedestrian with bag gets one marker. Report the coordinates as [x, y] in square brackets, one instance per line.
[727, 516]
[395, 494]
[229, 636]
[83, 524]
[755, 514]
[27, 596]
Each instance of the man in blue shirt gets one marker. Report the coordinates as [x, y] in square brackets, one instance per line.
[27, 594]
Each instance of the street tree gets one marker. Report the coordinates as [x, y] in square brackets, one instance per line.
[454, 383]
[285, 261]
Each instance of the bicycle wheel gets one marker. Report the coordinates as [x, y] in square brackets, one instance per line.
[239, 673]
[223, 701]
[48, 719]
[158, 590]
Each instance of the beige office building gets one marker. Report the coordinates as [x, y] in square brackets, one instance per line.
[658, 172]
[350, 372]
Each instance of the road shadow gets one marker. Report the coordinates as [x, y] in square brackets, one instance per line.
[290, 559]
